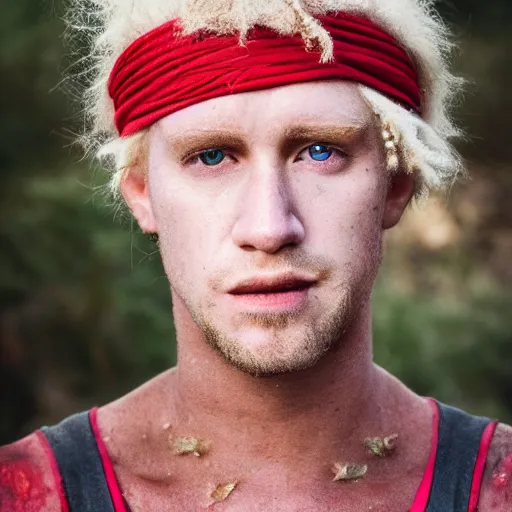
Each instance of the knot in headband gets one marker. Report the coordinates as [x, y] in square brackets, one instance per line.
[163, 71]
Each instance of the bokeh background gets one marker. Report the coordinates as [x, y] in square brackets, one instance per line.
[84, 303]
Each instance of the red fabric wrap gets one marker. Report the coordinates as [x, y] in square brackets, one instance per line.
[163, 72]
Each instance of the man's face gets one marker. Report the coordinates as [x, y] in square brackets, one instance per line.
[269, 207]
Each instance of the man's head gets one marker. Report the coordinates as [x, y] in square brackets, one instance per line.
[270, 205]
[293, 194]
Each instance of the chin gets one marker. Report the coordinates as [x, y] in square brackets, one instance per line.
[265, 351]
[269, 366]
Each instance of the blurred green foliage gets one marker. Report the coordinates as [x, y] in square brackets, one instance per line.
[84, 303]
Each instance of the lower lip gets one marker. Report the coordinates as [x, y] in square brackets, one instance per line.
[279, 300]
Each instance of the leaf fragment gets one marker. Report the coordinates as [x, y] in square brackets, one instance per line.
[190, 445]
[345, 472]
[222, 491]
[381, 446]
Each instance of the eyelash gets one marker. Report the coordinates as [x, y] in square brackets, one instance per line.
[195, 157]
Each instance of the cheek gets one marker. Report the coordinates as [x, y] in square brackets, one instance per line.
[346, 216]
[188, 224]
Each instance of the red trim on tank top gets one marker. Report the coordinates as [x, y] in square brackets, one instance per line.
[57, 478]
[481, 459]
[423, 494]
[110, 476]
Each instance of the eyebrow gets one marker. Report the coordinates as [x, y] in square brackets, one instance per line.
[332, 133]
[191, 141]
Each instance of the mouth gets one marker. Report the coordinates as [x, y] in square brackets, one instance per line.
[262, 286]
[285, 293]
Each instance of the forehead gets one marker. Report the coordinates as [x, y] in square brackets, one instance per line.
[273, 110]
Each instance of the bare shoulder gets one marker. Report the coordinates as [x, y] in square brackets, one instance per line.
[27, 482]
[496, 493]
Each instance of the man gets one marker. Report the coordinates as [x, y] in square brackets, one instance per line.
[269, 146]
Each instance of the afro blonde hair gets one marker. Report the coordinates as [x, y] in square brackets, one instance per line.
[416, 145]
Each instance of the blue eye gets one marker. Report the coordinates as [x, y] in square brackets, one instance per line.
[212, 156]
[320, 152]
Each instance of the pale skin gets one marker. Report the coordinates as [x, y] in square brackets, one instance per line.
[290, 387]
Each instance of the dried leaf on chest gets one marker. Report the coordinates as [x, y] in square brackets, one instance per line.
[189, 445]
[222, 491]
[346, 472]
[381, 446]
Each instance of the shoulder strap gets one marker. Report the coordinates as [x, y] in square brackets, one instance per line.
[459, 442]
[79, 463]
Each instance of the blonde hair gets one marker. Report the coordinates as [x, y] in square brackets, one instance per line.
[417, 145]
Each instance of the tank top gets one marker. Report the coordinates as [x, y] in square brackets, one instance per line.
[451, 482]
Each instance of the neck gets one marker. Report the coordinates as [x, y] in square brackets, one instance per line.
[305, 415]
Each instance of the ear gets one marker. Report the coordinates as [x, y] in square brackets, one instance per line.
[400, 192]
[135, 190]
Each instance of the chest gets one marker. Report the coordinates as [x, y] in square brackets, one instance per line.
[270, 496]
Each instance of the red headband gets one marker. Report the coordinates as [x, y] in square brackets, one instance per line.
[162, 72]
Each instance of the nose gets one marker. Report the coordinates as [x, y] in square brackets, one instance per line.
[267, 221]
